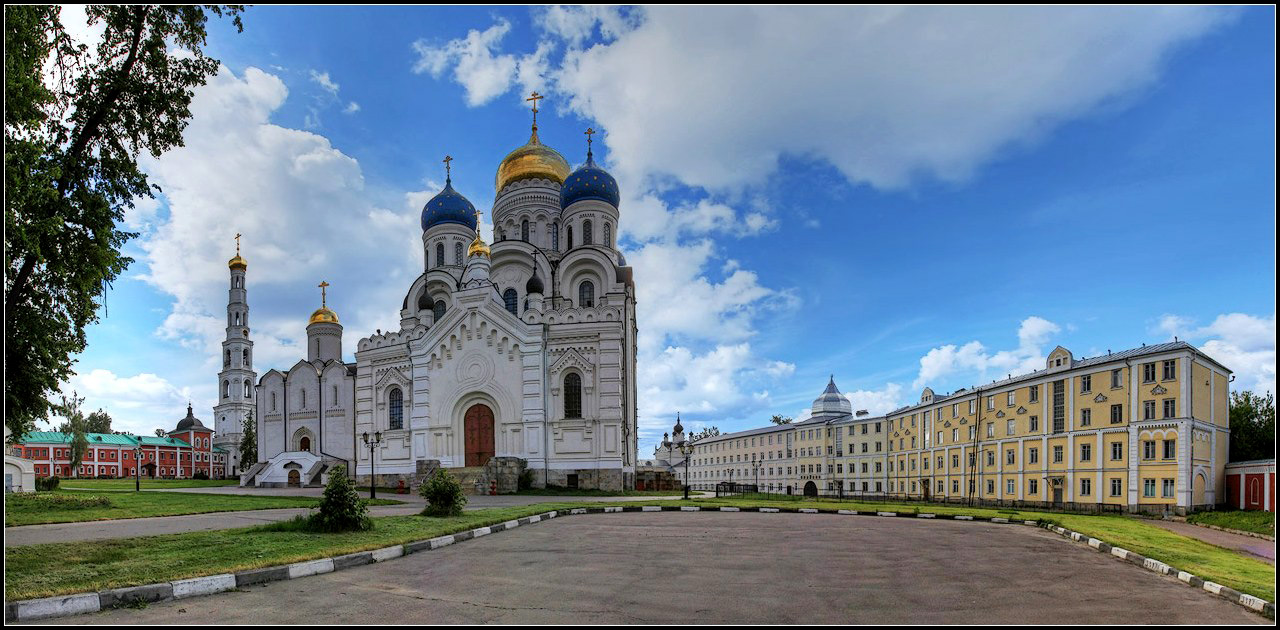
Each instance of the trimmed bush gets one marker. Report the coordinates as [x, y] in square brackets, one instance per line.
[54, 501]
[443, 494]
[46, 484]
[341, 508]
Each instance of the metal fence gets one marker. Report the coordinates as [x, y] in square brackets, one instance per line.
[752, 491]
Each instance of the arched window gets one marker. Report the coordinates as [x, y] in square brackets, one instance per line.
[226, 389]
[396, 409]
[573, 395]
[438, 310]
[248, 389]
[524, 230]
[244, 358]
[511, 300]
[586, 294]
[304, 399]
[457, 253]
[273, 401]
[608, 234]
[586, 232]
[237, 319]
[569, 237]
[226, 358]
[555, 236]
[439, 254]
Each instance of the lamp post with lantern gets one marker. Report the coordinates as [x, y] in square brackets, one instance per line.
[372, 444]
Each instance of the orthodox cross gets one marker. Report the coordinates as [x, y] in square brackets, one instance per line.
[237, 243]
[535, 97]
[447, 172]
[589, 133]
[323, 285]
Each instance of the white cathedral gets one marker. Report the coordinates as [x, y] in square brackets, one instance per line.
[524, 349]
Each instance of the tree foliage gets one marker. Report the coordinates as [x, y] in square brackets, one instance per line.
[76, 425]
[1253, 426]
[96, 422]
[703, 434]
[777, 419]
[248, 442]
[443, 494]
[76, 120]
[341, 508]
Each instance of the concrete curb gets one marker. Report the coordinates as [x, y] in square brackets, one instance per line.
[1256, 604]
[67, 605]
[1234, 531]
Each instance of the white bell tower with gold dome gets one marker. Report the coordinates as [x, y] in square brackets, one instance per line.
[237, 379]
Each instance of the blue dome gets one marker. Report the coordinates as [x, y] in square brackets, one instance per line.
[589, 182]
[448, 207]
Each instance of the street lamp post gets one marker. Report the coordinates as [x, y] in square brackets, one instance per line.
[756, 465]
[137, 465]
[377, 439]
[686, 449]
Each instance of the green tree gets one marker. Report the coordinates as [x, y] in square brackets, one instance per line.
[443, 494]
[1253, 426]
[161, 433]
[705, 433]
[76, 426]
[97, 422]
[75, 122]
[777, 419]
[248, 442]
[341, 508]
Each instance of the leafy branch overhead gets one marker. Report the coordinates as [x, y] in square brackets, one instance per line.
[76, 120]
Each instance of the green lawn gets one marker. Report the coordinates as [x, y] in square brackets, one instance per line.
[45, 570]
[1255, 521]
[52, 569]
[553, 491]
[24, 510]
[147, 484]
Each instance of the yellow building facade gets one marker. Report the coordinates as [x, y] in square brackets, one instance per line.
[1145, 429]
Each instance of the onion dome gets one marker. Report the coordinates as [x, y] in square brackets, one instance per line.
[534, 160]
[425, 302]
[679, 428]
[534, 285]
[238, 262]
[323, 315]
[589, 182]
[448, 207]
[189, 422]
[478, 246]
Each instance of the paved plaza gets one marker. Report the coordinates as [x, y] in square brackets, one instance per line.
[712, 567]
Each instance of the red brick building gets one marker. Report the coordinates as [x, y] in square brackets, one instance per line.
[1252, 485]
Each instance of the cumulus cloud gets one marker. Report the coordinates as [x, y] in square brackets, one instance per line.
[974, 360]
[1245, 344]
[677, 379]
[138, 404]
[483, 74]
[322, 79]
[877, 401]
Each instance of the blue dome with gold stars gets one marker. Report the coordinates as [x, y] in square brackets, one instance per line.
[448, 207]
[589, 182]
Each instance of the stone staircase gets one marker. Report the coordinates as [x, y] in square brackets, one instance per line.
[474, 479]
[246, 478]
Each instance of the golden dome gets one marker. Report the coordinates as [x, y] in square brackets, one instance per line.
[478, 247]
[238, 263]
[533, 160]
[323, 316]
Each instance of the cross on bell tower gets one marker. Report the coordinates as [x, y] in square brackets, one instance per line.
[323, 285]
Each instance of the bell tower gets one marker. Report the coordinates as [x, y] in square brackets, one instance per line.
[237, 379]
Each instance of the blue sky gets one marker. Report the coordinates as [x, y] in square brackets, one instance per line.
[899, 197]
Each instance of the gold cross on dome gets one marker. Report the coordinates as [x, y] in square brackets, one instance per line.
[535, 97]
[478, 213]
[589, 133]
[237, 243]
[447, 171]
[323, 285]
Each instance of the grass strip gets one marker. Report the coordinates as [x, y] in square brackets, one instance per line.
[36, 510]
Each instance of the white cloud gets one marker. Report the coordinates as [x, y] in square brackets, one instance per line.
[484, 75]
[877, 401]
[974, 360]
[575, 24]
[138, 404]
[1245, 344]
[351, 108]
[322, 79]
[890, 94]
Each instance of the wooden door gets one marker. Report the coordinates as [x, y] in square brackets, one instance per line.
[478, 428]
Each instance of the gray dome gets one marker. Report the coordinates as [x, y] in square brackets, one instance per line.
[424, 301]
[534, 285]
[832, 402]
[189, 422]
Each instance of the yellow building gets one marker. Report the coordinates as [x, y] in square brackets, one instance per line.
[1145, 429]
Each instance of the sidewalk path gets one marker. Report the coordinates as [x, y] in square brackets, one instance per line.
[1257, 547]
[154, 526]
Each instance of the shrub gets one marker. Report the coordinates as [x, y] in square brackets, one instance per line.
[443, 494]
[46, 484]
[341, 508]
[526, 480]
[200, 474]
[54, 501]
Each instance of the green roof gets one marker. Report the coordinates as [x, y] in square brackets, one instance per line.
[58, 437]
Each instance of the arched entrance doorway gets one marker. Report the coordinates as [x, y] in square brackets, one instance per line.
[295, 478]
[304, 444]
[478, 432]
[810, 489]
